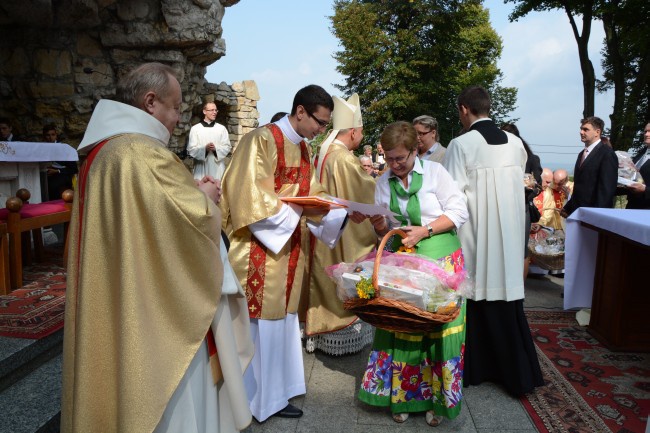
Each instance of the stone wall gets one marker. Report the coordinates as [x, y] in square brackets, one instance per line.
[46, 46]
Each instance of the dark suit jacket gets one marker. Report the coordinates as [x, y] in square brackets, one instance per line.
[641, 201]
[594, 183]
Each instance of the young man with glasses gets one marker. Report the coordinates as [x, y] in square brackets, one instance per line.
[209, 144]
[269, 240]
[428, 146]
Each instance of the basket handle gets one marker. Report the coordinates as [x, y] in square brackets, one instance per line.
[380, 251]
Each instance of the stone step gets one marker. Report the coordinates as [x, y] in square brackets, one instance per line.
[33, 403]
[20, 356]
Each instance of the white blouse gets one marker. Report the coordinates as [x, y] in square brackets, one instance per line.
[438, 196]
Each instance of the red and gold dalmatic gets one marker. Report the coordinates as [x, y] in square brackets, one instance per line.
[552, 200]
[265, 167]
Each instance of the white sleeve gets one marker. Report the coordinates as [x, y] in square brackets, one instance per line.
[275, 231]
[223, 145]
[330, 228]
[194, 147]
[451, 199]
[454, 163]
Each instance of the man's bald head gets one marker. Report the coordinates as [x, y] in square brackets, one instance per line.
[547, 177]
[560, 177]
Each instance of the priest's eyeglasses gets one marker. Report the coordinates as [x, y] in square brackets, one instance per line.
[321, 123]
[398, 160]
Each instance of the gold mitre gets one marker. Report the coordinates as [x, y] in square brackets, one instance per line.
[347, 114]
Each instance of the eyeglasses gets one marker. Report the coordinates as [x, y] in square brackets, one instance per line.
[398, 160]
[366, 165]
[214, 109]
[422, 134]
[321, 123]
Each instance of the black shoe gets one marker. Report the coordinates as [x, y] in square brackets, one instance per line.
[289, 412]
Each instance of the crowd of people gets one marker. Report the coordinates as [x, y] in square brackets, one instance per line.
[186, 291]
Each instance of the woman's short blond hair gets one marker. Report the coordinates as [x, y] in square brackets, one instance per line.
[399, 134]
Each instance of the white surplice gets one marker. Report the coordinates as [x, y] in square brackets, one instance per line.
[491, 178]
[209, 164]
[198, 405]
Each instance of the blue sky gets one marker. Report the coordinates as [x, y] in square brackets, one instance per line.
[284, 49]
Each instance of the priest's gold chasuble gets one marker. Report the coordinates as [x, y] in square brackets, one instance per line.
[342, 176]
[265, 167]
[137, 308]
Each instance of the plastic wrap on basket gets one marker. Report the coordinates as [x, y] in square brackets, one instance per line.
[628, 173]
[410, 278]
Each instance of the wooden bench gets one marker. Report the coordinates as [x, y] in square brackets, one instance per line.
[22, 218]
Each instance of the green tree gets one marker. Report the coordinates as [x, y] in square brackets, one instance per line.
[411, 58]
[626, 57]
[626, 64]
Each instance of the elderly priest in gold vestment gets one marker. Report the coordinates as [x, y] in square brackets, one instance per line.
[328, 326]
[269, 239]
[154, 317]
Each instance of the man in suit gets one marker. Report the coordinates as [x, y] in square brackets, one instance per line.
[595, 172]
[638, 195]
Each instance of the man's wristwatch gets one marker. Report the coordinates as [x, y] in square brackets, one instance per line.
[430, 230]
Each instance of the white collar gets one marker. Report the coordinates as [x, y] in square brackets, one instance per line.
[590, 148]
[111, 118]
[479, 120]
[288, 131]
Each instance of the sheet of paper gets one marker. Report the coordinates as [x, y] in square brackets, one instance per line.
[366, 209]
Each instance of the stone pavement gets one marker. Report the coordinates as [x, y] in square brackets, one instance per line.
[331, 406]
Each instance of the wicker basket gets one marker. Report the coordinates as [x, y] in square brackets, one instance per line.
[549, 262]
[393, 315]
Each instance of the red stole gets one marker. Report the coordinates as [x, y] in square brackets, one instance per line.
[283, 175]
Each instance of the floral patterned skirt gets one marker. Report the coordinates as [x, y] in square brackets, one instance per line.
[418, 372]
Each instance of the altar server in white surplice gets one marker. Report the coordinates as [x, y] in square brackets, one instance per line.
[209, 144]
[488, 166]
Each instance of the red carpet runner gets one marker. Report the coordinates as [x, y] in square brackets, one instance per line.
[37, 309]
[588, 388]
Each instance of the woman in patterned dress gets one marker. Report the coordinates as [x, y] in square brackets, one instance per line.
[424, 371]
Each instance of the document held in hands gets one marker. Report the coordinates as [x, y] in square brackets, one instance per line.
[334, 203]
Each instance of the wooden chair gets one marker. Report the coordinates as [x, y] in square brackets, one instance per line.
[22, 218]
[5, 284]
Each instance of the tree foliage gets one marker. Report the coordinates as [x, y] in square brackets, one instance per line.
[408, 58]
[626, 58]
[626, 64]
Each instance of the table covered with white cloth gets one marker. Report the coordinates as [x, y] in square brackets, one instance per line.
[607, 254]
[20, 165]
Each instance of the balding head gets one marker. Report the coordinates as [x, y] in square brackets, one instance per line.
[560, 177]
[547, 178]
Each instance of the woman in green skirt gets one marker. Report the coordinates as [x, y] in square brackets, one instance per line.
[418, 372]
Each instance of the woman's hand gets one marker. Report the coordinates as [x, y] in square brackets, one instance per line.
[379, 224]
[414, 234]
[357, 217]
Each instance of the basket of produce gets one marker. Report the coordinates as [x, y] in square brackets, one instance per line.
[547, 249]
[400, 292]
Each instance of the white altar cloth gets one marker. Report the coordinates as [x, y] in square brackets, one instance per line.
[24, 151]
[581, 247]
[20, 165]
